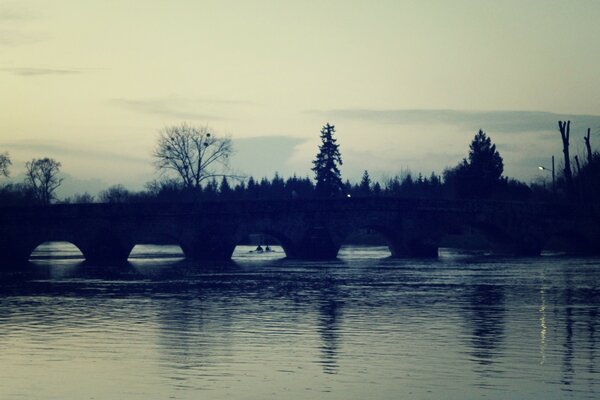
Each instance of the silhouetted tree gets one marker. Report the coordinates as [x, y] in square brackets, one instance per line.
[211, 189]
[225, 190]
[393, 186]
[277, 189]
[299, 187]
[17, 194]
[327, 173]
[115, 194]
[480, 174]
[82, 198]
[193, 154]
[252, 189]
[239, 192]
[364, 188]
[588, 147]
[565, 130]
[377, 189]
[407, 186]
[41, 175]
[5, 163]
[587, 179]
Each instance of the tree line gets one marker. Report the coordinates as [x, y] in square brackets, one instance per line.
[194, 165]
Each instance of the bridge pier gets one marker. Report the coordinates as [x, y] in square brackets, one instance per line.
[316, 244]
[418, 236]
[104, 252]
[12, 253]
[417, 248]
[203, 251]
[216, 244]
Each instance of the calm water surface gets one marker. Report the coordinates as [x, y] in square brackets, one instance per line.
[463, 326]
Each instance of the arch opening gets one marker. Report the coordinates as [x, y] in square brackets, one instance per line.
[477, 239]
[366, 242]
[56, 250]
[261, 245]
[566, 243]
[158, 247]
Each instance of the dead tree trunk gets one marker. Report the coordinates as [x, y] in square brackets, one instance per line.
[588, 146]
[565, 130]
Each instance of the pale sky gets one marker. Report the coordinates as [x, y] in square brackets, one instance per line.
[407, 83]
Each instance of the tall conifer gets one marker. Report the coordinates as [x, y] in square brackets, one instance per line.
[327, 173]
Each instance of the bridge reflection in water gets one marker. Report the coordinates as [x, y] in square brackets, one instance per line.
[362, 326]
[308, 229]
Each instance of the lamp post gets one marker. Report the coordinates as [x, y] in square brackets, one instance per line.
[542, 168]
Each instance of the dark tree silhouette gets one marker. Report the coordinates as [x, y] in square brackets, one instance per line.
[5, 163]
[481, 173]
[327, 173]
[565, 130]
[80, 198]
[588, 147]
[115, 194]
[193, 154]
[41, 175]
[364, 188]
[225, 189]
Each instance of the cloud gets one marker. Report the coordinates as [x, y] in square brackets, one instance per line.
[265, 155]
[14, 11]
[14, 37]
[494, 121]
[13, 22]
[41, 71]
[57, 149]
[178, 108]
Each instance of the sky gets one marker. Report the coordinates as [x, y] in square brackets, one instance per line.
[406, 83]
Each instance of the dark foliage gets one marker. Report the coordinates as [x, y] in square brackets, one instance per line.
[17, 194]
[479, 175]
[327, 173]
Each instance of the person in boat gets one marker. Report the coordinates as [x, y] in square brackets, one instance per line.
[259, 249]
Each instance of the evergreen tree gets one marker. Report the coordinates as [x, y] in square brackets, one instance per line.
[252, 189]
[211, 189]
[277, 187]
[364, 188]
[327, 173]
[481, 173]
[225, 190]
[485, 159]
[377, 189]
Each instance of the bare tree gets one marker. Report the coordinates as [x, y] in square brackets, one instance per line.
[4, 164]
[565, 129]
[588, 147]
[42, 177]
[193, 154]
[114, 194]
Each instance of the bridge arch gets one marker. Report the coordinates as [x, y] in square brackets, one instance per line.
[156, 250]
[23, 250]
[268, 233]
[492, 236]
[567, 241]
[56, 249]
[373, 235]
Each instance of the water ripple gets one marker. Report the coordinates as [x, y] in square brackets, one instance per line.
[264, 327]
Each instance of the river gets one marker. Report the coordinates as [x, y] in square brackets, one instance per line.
[262, 327]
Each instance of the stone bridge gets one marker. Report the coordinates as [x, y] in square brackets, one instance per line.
[306, 229]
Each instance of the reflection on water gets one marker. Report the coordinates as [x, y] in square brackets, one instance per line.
[364, 326]
[485, 315]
